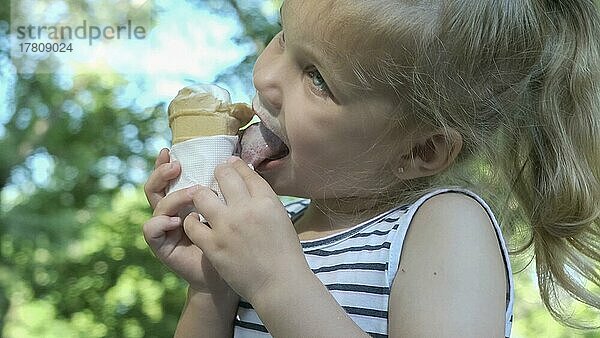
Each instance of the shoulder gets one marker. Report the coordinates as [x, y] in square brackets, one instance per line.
[451, 280]
[457, 216]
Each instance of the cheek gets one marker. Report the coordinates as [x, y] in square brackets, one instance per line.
[309, 127]
[320, 142]
[308, 141]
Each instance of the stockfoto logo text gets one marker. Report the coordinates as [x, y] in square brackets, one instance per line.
[91, 33]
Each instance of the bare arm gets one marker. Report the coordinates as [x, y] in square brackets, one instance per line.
[451, 279]
[206, 315]
[253, 245]
[300, 306]
[211, 304]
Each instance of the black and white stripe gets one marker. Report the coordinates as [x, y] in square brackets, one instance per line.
[358, 267]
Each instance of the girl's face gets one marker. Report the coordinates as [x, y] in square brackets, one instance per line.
[336, 140]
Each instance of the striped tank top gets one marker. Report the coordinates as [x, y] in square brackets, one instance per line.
[359, 264]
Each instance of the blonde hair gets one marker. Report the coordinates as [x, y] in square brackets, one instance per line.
[520, 81]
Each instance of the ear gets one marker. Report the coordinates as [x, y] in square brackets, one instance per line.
[430, 154]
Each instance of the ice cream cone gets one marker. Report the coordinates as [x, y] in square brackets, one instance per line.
[205, 110]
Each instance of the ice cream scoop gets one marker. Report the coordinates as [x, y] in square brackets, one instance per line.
[205, 110]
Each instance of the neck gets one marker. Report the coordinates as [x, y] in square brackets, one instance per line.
[333, 215]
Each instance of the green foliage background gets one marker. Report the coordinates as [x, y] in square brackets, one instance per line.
[73, 262]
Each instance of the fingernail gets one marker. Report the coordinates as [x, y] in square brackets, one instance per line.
[232, 159]
[175, 219]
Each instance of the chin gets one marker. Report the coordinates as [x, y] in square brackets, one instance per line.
[279, 185]
[282, 185]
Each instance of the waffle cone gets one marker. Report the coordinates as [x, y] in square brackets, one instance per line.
[196, 113]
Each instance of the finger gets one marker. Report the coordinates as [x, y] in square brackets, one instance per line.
[208, 203]
[176, 201]
[155, 229]
[163, 157]
[198, 232]
[256, 185]
[232, 185]
[159, 180]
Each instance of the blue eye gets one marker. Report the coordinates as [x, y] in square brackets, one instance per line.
[318, 82]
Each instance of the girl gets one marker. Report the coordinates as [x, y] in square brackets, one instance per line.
[377, 111]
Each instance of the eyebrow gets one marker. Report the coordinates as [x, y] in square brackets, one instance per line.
[308, 51]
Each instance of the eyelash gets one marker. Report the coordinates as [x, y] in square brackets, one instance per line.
[321, 90]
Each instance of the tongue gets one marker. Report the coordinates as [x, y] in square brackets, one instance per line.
[259, 144]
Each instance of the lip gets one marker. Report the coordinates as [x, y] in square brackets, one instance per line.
[271, 165]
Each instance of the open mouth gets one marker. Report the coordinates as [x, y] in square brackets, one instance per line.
[261, 148]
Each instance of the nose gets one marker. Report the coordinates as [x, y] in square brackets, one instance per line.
[269, 72]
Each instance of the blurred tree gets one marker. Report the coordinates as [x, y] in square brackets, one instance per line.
[75, 150]
[532, 319]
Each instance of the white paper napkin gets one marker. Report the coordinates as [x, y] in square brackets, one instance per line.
[198, 158]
